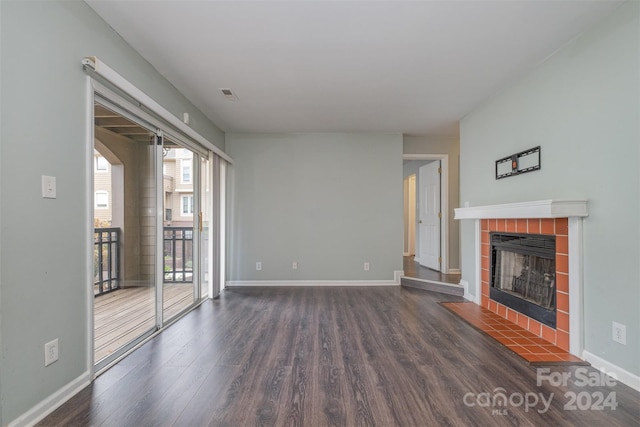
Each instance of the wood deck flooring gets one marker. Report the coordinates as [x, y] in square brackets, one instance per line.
[124, 314]
[383, 356]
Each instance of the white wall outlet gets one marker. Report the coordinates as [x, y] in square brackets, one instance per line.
[366, 266]
[50, 352]
[294, 265]
[48, 187]
[258, 266]
[620, 333]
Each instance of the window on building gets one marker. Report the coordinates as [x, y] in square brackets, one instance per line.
[101, 200]
[186, 171]
[101, 164]
[187, 205]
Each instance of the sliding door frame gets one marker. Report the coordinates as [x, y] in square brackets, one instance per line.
[98, 92]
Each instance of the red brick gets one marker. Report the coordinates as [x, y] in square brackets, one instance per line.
[562, 321]
[562, 263]
[511, 225]
[562, 244]
[548, 334]
[534, 226]
[512, 315]
[484, 238]
[562, 340]
[521, 225]
[523, 321]
[562, 226]
[501, 225]
[547, 226]
[562, 301]
[562, 282]
[493, 306]
[484, 224]
[485, 301]
[502, 310]
[485, 250]
[535, 327]
[485, 276]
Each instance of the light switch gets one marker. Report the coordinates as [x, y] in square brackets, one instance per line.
[48, 187]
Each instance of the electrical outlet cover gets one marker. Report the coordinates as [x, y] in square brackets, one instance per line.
[50, 352]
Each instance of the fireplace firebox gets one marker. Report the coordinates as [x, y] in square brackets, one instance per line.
[523, 274]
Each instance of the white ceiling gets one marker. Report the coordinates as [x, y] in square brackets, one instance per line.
[381, 66]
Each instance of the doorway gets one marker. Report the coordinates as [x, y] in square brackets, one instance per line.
[440, 241]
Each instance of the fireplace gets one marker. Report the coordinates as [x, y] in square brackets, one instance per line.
[523, 274]
[560, 220]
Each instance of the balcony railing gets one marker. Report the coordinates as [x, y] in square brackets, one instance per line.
[178, 257]
[178, 254]
[106, 260]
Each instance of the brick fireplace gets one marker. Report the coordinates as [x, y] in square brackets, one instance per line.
[559, 218]
[559, 227]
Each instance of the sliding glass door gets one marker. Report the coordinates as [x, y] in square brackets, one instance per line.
[180, 228]
[153, 226]
[125, 229]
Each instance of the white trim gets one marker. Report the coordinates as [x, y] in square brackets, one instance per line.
[397, 275]
[406, 254]
[223, 228]
[466, 295]
[478, 262]
[52, 402]
[622, 375]
[307, 283]
[444, 203]
[576, 303]
[454, 271]
[94, 64]
[536, 209]
[89, 226]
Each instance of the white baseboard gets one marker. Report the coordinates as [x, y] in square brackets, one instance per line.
[622, 375]
[299, 283]
[397, 275]
[466, 295]
[454, 271]
[52, 402]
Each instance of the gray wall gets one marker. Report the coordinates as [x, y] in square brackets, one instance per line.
[582, 107]
[43, 276]
[451, 147]
[330, 201]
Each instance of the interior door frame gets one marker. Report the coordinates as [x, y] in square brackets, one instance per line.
[444, 202]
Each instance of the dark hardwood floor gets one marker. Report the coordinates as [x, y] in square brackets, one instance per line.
[383, 356]
[415, 270]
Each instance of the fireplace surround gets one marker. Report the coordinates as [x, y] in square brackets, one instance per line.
[561, 219]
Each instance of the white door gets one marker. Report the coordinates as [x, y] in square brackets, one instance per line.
[429, 215]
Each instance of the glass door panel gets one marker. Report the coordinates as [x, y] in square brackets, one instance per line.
[206, 226]
[125, 230]
[180, 222]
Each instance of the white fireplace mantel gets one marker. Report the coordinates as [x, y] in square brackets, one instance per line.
[535, 209]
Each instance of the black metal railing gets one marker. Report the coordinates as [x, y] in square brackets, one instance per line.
[178, 254]
[178, 257]
[106, 260]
